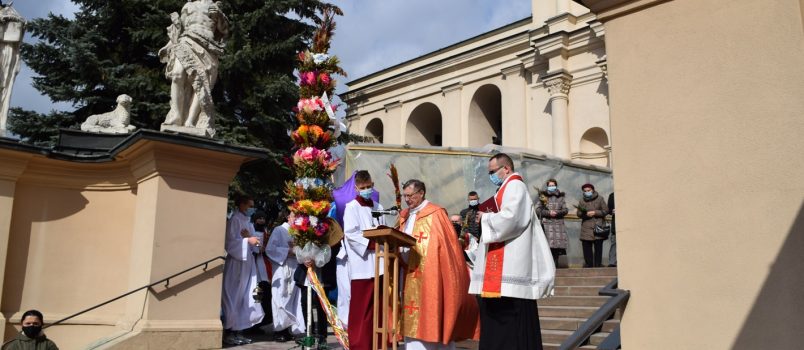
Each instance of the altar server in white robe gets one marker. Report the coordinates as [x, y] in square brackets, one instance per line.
[360, 251]
[286, 296]
[240, 310]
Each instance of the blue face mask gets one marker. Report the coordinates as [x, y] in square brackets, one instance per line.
[552, 188]
[366, 194]
[588, 194]
[496, 180]
[250, 211]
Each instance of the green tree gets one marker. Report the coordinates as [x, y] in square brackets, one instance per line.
[110, 48]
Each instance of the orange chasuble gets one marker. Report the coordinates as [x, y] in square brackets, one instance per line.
[436, 304]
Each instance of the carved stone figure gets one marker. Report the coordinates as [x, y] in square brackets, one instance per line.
[12, 29]
[114, 122]
[197, 39]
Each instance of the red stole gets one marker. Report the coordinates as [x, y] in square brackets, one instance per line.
[492, 278]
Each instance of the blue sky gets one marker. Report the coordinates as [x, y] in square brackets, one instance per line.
[372, 34]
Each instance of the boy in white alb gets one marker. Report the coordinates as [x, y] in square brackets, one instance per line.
[356, 218]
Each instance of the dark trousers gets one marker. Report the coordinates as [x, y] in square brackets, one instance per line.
[593, 257]
[510, 324]
[319, 329]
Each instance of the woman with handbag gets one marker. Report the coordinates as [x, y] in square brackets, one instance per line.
[551, 209]
[592, 210]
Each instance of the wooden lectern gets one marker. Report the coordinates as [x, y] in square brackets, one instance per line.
[390, 240]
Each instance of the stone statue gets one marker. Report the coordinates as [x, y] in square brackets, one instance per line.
[12, 29]
[114, 122]
[197, 39]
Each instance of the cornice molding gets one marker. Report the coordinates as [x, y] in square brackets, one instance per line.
[610, 9]
[392, 105]
[451, 87]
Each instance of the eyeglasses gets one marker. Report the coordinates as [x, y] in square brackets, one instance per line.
[410, 195]
[494, 171]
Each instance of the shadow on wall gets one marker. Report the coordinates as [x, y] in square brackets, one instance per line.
[777, 312]
[59, 204]
[162, 293]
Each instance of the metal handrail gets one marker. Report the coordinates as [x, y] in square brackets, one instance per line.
[594, 322]
[167, 284]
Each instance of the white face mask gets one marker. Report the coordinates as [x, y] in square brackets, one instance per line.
[473, 202]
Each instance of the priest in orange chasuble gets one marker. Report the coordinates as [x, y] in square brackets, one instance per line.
[436, 307]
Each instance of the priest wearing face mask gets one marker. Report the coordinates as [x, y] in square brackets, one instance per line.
[436, 311]
[513, 265]
[32, 337]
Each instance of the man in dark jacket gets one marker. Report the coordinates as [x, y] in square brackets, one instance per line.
[32, 337]
[468, 222]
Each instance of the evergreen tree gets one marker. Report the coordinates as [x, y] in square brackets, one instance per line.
[110, 48]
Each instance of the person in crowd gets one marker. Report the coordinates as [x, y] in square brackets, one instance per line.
[469, 214]
[285, 295]
[240, 310]
[592, 210]
[613, 236]
[361, 252]
[552, 208]
[436, 311]
[32, 337]
[513, 267]
[261, 231]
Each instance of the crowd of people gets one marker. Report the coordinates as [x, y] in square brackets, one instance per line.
[551, 210]
[473, 275]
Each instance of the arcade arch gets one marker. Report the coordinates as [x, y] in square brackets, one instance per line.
[594, 147]
[424, 126]
[485, 116]
[374, 129]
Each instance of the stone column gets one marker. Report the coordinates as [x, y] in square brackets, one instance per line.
[514, 120]
[453, 121]
[12, 29]
[558, 84]
[393, 130]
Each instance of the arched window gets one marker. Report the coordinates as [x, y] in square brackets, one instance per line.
[485, 117]
[424, 126]
[375, 129]
[594, 147]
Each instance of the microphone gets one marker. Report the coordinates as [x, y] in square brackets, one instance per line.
[390, 211]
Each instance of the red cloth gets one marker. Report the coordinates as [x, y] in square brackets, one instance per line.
[436, 305]
[361, 314]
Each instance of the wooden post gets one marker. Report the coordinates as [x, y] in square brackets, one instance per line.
[391, 240]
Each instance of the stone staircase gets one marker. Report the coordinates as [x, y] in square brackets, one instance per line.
[576, 298]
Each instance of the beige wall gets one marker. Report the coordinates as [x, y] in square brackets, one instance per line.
[561, 36]
[82, 233]
[706, 111]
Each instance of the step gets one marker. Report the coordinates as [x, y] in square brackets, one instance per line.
[593, 272]
[576, 291]
[583, 281]
[564, 311]
[595, 301]
[554, 336]
[598, 338]
[572, 323]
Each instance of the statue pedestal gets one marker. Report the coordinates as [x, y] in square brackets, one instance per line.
[189, 130]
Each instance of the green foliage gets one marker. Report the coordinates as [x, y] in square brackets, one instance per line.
[110, 48]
